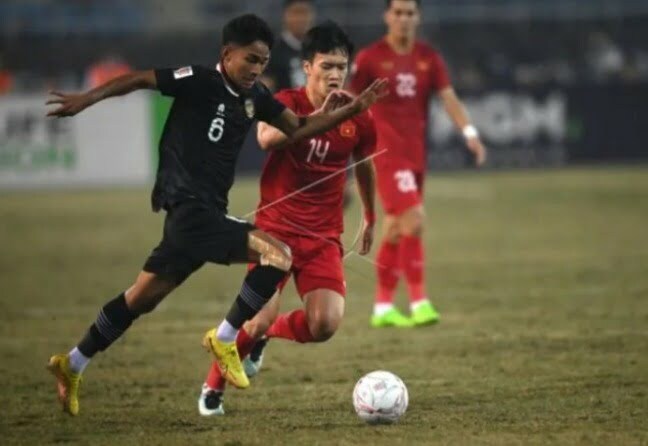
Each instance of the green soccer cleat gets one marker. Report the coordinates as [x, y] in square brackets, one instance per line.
[392, 318]
[425, 314]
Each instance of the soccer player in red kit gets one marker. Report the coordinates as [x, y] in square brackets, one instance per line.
[415, 72]
[302, 188]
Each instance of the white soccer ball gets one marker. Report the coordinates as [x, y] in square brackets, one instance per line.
[380, 397]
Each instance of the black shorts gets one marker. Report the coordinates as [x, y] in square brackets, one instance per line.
[194, 234]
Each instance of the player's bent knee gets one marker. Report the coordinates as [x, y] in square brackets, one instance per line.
[323, 325]
[411, 223]
[147, 293]
[323, 329]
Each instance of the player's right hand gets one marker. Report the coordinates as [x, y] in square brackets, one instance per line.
[68, 104]
[373, 93]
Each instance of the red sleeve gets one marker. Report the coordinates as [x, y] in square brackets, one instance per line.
[286, 98]
[440, 76]
[361, 72]
[367, 141]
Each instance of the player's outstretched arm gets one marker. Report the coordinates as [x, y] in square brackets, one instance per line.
[300, 127]
[271, 138]
[457, 112]
[69, 104]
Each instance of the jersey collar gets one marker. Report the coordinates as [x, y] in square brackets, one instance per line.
[230, 88]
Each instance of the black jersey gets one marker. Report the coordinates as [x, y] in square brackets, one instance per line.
[204, 133]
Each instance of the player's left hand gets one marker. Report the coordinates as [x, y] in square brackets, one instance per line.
[367, 239]
[68, 104]
[477, 149]
[370, 95]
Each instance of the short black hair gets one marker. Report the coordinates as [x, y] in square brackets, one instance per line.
[246, 29]
[325, 38]
[288, 3]
[389, 2]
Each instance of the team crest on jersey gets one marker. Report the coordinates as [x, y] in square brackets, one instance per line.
[422, 65]
[249, 108]
[387, 65]
[182, 72]
[348, 129]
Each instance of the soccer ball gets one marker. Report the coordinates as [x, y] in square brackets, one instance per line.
[380, 397]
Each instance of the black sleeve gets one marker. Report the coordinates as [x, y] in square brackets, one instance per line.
[189, 81]
[268, 108]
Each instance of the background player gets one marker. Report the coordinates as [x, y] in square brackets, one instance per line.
[212, 111]
[415, 72]
[309, 221]
[285, 67]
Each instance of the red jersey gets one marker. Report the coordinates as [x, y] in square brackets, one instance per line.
[401, 118]
[299, 193]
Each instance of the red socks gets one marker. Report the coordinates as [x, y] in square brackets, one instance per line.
[411, 260]
[387, 270]
[292, 326]
[244, 344]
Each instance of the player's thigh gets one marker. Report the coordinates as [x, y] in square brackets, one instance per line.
[147, 292]
[410, 221]
[390, 228]
[264, 249]
[320, 282]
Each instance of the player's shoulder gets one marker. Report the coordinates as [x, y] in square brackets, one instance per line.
[427, 49]
[291, 97]
[290, 92]
[377, 47]
[364, 120]
[260, 89]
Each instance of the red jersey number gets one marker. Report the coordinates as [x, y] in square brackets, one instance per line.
[318, 150]
[406, 85]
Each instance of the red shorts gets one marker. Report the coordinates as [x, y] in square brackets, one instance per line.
[317, 263]
[400, 189]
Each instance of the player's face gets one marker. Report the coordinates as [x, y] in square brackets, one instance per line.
[402, 18]
[244, 64]
[327, 72]
[299, 18]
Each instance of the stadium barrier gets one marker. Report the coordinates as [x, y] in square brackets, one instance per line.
[108, 144]
[115, 142]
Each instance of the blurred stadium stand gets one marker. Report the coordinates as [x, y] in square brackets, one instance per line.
[487, 42]
[547, 81]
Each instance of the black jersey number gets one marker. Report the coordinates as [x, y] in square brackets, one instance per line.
[216, 129]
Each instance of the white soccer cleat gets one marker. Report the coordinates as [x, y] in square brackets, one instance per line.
[253, 362]
[210, 402]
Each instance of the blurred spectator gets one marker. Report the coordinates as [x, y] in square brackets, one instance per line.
[604, 57]
[105, 70]
[6, 78]
[285, 67]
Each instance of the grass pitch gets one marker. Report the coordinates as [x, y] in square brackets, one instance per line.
[541, 279]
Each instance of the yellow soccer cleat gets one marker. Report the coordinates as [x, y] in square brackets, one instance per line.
[67, 382]
[228, 360]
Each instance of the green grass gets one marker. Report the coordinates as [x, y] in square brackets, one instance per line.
[541, 278]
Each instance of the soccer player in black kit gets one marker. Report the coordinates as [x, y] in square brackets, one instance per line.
[211, 114]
